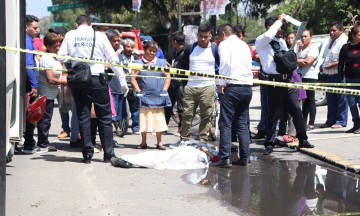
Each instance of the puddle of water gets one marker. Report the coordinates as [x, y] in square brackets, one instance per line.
[278, 187]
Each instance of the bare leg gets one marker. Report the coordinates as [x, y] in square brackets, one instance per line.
[143, 138]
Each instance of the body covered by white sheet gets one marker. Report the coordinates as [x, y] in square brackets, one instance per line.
[179, 158]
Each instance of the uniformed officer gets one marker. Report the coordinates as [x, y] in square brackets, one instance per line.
[79, 43]
[278, 98]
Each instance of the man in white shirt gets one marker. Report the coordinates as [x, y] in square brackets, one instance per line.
[279, 98]
[79, 43]
[199, 91]
[336, 103]
[235, 62]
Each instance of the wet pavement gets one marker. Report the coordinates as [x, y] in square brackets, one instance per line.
[271, 186]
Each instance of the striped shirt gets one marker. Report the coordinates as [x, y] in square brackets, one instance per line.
[45, 88]
[332, 54]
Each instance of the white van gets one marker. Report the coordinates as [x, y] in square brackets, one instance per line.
[321, 41]
[12, 34]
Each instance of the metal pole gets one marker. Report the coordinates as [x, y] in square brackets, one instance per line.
[138, 19]
[179, 16]
[204, 10]
[2, 110]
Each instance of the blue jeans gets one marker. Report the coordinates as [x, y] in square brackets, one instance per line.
[65, 118]
[44, 124]
[336, 104]
[235, 108]
[120, 106]
[354, 101]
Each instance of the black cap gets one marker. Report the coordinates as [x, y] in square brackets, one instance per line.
[57, 30]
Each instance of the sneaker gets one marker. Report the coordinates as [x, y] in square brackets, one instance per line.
[28, 149]
[136, 133]
[180, 143]
[63, 134]
[40, 150]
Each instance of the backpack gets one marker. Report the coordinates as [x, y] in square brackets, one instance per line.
[286, 61]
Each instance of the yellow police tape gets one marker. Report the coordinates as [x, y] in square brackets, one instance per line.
[112, 74]
[185, 72]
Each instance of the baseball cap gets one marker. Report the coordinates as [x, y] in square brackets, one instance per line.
[57, 30]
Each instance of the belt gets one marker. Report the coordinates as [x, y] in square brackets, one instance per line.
[276, 77]
[237, 85]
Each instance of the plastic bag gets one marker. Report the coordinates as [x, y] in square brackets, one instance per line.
[65, 99]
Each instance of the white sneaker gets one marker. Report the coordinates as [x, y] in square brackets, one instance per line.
[180, 143]
[40, 150]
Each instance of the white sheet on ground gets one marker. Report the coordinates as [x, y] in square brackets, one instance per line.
[179, 158]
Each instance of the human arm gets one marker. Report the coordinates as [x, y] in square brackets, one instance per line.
[30, 73]
[341, 62]
[133, 80]
[166, 82]
[225, 64]
[264, 39]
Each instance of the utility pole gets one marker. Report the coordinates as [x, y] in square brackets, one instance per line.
[179, 15]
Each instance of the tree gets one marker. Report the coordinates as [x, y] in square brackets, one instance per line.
[319, 13]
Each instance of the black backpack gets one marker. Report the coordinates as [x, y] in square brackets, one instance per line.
[286, 61]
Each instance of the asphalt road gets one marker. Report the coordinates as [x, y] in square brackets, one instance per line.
[57, 183]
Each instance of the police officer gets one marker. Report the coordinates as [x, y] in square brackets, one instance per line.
[278, 98]
[79, 43]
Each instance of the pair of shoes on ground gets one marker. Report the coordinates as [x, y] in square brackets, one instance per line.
[144, 146]
[226, 163]
[63, 134]
[302, 144]
[38, 149]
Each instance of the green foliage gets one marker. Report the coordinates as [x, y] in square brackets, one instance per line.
[319, 13]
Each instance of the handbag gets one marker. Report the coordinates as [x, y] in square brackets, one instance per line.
[65, 99]
[35, 110]
[80, 75]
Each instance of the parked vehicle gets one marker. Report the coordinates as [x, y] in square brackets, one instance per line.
[12, 95]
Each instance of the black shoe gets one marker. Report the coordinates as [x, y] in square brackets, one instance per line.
[222, 163]
[305, 144]
[259, 135]
[241, 162]
[86, 161]
[76, 144]
[268, 150]
[107, 160]
[117, 145]
[353, 129]
[118, 162]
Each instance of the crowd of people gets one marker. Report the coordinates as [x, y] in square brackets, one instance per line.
[152, 95]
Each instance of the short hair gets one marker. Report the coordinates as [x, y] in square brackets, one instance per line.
[204, 27]
[238, 28]
[128, 40]
[30, 19]
[51, 38]
[151, 44]
[81, 19]
[226, 28]
[310, 31]
[179, 37]
[111, 33]
[337, 24]
[270, 21]
[354, 30]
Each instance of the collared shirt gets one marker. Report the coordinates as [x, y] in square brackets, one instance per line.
[235, 61]
[30, 62]
[79, 43]
[264, 49]
[332, 54]
[201, 60]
